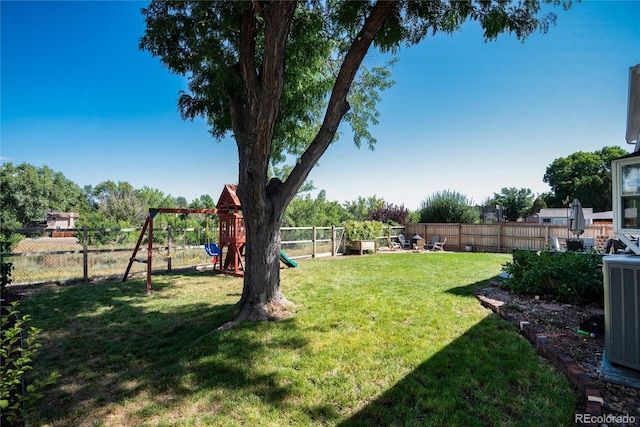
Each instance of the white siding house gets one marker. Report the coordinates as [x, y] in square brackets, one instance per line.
[61, 220]
[557, 216]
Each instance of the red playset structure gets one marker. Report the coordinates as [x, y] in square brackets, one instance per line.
[232, 234]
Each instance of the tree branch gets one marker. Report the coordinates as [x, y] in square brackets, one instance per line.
[338, 105]
[278, 17]
[263, 92]
[247, 69]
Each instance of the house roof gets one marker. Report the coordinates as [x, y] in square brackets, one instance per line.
[58, 214]
[600, 215]
[628, 156]
[561, 212]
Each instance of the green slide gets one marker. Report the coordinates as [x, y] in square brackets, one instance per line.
[288, 262]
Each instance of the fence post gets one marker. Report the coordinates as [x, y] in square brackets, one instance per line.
[333, 240]
[85, 255]
[499, 237]
[169, 257]
[313, 248]
[546, 236]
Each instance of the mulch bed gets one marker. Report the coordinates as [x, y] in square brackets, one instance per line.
[553, 329]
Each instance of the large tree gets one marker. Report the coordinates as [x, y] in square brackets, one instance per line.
[120, 203]
[304, 211]
[516, 202]
[447, 207]
[29, 191]
[359, 209]
[581, 175]
[280, 76]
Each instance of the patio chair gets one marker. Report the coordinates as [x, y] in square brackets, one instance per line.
[554, 243]
[588, 243]
[439, 246]
[406, 244]
[434, 240]
[393, 245]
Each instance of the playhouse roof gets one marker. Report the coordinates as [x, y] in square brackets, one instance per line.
[229, 199]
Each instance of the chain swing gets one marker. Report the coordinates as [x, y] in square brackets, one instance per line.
[211, 248]
[167, 253]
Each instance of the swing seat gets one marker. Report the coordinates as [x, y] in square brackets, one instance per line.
[212, 249]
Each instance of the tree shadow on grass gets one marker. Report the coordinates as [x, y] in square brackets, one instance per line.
[113, 347]
[470, 289]
[110, 346]
[487, 376]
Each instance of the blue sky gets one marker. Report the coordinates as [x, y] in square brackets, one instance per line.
[468, 116]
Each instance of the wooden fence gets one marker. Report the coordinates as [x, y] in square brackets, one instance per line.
[40, 258]
[69, 255]
[504, 237]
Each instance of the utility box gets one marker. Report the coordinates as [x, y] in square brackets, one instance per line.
[622, 309]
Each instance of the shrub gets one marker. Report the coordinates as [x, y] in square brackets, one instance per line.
[7, 241]
[389, 214]
[362, 230]
[448, 207]
[17, 346]
[570, 277]
[5, 273]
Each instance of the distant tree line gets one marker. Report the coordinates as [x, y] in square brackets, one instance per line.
[28, 192]
[581, 175]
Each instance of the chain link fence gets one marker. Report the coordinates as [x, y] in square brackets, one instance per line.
[84, 255]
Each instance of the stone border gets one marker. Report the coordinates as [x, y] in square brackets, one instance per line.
[586, 386]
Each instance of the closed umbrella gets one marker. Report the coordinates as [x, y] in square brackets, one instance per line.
[576, 218]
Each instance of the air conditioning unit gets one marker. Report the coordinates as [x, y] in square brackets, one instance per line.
[622, 309]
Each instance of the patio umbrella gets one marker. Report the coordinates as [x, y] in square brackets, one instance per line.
[576, 218]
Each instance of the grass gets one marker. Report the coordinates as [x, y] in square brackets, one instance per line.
[394, 339]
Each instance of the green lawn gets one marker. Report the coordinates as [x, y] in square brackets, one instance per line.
[394, 339]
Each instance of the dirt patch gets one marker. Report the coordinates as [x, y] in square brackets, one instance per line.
[560, 323]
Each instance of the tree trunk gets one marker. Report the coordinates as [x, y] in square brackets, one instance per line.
[254, 121]
[262, 298]
[254, 118]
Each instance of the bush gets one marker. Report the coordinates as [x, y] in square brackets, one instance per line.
[362, 230]
[8, 240]
[569, 277]
[17, 346]
[448, 207]
[389, 214]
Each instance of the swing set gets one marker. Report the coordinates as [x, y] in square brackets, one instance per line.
[232, 235]
[170, 253]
